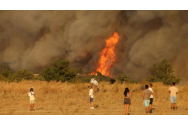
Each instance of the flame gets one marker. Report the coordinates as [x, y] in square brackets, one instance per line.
[107, 56]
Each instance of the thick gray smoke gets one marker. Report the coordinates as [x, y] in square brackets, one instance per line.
[34, 39]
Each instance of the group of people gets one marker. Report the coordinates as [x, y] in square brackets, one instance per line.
[147, 97]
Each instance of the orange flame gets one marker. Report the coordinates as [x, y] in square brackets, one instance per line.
[107, 56]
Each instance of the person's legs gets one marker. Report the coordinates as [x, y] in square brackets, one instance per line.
[125, 108]
[91, 102]
[146, 103]
[33, 107]
[128, 108]
[150, 104]
[175, 102]
[172, 101]
[30, 107]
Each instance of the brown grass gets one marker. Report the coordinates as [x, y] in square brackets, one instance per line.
[56, 98]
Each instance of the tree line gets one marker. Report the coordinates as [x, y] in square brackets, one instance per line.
[61, 70]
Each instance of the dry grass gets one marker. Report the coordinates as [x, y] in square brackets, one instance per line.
[56, 98]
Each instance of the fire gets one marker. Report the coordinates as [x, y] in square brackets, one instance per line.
[107, 56]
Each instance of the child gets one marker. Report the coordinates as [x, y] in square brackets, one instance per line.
[32, 99]
[91, 96]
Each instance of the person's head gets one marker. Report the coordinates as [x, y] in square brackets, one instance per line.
[89, 87]
[146, 86]
[173, 83]
[151, 85]
[31, 89]
[127, 89]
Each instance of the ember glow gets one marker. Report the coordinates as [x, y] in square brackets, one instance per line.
[107, 56]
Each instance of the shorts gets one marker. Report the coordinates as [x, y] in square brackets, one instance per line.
[127, 101]
[91, 99]
[32, 101]
[151, 101]
[146, 103]
[173, 99]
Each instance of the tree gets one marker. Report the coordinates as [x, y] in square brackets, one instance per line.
[162, 72]
[60, 71]
[22, 74]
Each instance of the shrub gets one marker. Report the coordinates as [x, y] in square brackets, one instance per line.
[123, 78]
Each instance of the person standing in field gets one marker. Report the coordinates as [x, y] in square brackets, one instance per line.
[32, 99]
[173, 92]
[91, 96]
[127, 101]
[146, 96]
[151, 98]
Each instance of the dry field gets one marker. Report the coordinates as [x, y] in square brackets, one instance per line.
[56, 98]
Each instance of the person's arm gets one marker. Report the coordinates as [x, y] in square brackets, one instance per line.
[130, 95]
[169, 90]
[177, 91]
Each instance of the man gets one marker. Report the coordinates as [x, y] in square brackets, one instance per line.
[151, 98]
[91, 96]
[173, 92]
[146, 96]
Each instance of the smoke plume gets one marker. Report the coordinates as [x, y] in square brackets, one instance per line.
[34, 39]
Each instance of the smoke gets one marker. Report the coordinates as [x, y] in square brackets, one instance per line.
[34, 39]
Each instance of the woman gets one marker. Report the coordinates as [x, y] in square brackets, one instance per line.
[127, 101]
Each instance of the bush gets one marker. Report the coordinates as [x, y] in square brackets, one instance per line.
[162, 72]
[5, 72]
[123, 78]
[21, 74]
[60, 71]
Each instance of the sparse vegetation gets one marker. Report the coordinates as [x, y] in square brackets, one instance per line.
[121, 78]
[56, 98]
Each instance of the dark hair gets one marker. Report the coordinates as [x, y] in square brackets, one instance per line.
[151, 85]
[126, 91]
[31, 89]
[90, 86]
[146, 86]
[173, 83]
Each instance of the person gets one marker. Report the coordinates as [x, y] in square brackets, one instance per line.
[127, 101]
[91, 96]
[32, 99]
[173, 92]
[94, 81]
[151, 98]
[146, 96]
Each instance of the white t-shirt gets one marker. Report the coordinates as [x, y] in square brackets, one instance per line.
[91, 93]
[31, 95]
[92, 80]
[151, 91]
[95, 82]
